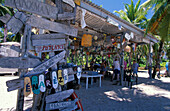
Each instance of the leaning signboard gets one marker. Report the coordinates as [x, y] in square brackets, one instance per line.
[34, 6]
[47, 64]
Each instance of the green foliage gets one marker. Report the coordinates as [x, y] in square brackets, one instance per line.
[134, 14]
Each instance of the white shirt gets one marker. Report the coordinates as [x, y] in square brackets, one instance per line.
[116, 65]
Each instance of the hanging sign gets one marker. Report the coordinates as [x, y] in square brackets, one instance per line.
[86, 40]
[27, 86]
[78, 72]
[60, 78]
[49, 48]
[35, 87]
[65, 74]
[41, 83]
[54, 80]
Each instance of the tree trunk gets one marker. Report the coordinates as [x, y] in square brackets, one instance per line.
[158, 60]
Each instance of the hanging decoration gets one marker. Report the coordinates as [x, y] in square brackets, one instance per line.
[86, 40]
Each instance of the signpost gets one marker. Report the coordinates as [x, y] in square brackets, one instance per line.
[15, 84]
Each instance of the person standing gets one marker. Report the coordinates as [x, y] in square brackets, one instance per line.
[116, 70]
[135, 70]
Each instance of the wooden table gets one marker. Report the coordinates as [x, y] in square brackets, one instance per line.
[91, 76]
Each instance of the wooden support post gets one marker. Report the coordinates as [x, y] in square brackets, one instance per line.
[122, 59]
[150, 61]
[20, 98]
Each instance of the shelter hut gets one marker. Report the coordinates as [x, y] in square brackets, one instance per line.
[99, 31]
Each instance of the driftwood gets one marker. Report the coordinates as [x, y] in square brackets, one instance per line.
[34, 6]
[59, 96]
[15, 84]
[52, 26]
[18, 62]
[48, 42]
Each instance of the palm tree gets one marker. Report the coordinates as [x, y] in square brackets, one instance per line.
[159, 24]
[134, 14]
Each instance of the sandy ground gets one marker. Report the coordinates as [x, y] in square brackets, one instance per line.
[147, 95]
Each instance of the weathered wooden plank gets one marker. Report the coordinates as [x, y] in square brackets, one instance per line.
[16, 48]
[52, 26]
[5, 18]
[48, 36]
[34, 6]
[66, 16]
[70, 109]
[49, 48]
[59, 96]
[47, 64]
[60, 105]
[48, 42]
[15, 84]
[16, 22]
[18, 62]
[71, 78]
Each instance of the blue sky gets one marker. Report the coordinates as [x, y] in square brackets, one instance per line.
[112, 5]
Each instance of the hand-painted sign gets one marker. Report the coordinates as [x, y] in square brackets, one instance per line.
[47, 64]
[78, 72]
[49, 48]
[65, 74]
[18, 62]
[27, 86]
[15, 84]
[52, 26]
[54, 80]
[59, 96]
[35, 87]
[60, 78]
[41, 83]
[60, 105]
[34, 6]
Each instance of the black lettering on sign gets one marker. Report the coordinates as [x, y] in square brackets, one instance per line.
[28, 87]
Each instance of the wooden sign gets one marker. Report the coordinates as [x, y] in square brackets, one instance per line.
[18, 62]
[34, 7]
[70, 109]
[79, 72]
[41, 84]
[49, 48]
[86, 40]
[16, 22]
[71, 78]
[35, 87]
[52, 26]
[5, 18]
[47, 64]
[48, 42]
[54, 80]
[48, 36]
[15, 84]
[59, 96]
[66, 16]
[70, 2]
[60, 105]
[65, 74]
[60, 78]
[27, 86]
